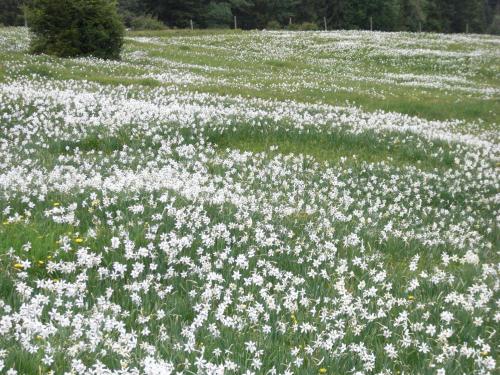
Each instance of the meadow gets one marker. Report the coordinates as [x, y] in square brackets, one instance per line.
[228, 202]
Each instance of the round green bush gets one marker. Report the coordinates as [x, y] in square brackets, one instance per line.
[70, 28]
[309, 26]
[273, 25]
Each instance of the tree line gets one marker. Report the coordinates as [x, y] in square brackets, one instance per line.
[449, 16]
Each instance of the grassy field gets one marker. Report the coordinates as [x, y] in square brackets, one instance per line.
[251, 203]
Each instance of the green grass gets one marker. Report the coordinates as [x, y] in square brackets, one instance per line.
[333, 146]
[182, 33]
[95, 142]
[426, 103]
[2, 73]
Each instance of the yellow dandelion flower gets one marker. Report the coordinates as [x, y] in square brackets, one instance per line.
[322, 370]
[41, 262]
[79, 240]
[411, 298]
[56, 204]
[18, 266]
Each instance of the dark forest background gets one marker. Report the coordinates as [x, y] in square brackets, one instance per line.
[449, 16]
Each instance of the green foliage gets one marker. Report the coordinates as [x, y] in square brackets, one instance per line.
[280, 10]
[218, 14]
[495, 26]
[146, 22]
[468, 14]
[450, 16]
[309, 26]
[458, 16]
[129, 10]
[273, 25]
[388, 15]
[412, 14]
[382, 13]
[175, 13]
[70, 28]
[11, 12]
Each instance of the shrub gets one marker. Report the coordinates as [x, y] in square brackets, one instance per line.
[495, 26]
[146, 23]
[69, 28]
[309, 26]
[127, 17]
[273, 25]
[218, 15]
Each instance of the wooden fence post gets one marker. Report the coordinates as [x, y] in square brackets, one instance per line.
[326, 26]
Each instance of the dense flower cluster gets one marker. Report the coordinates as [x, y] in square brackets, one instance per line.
[140, 243]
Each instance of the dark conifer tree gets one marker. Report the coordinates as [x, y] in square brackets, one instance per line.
[11, 12]
[390, 15]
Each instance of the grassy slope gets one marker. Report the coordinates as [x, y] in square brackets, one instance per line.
[426, 103]
[429, 103]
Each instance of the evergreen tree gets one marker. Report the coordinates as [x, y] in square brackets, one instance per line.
[69, 28]
[307, 11]
[412, 14]
[468, 15]
[390, 15]
[439, 15]
[335, 10]
[130, 9]
[383, 14]
[178, 13]
[220, 13]
[10, 12]
[282, 11]
[494, 23]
